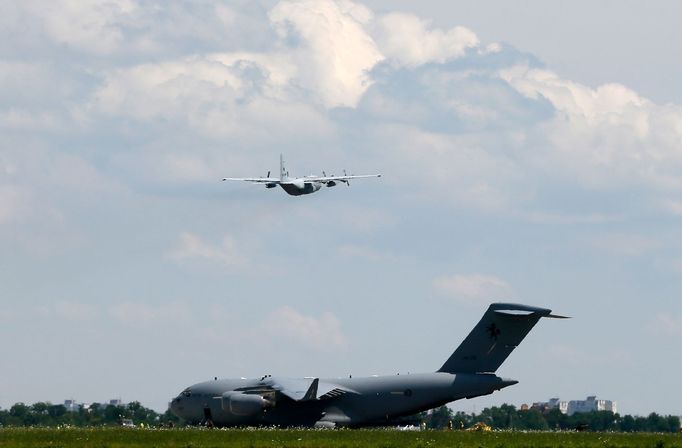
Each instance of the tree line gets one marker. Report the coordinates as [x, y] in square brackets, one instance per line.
[48, 414]
[502, 417]
[509, 417]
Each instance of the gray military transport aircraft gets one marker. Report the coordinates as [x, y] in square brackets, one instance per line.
[369, 401]
[297, 186]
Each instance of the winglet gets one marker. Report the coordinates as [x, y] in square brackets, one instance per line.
[311, 394]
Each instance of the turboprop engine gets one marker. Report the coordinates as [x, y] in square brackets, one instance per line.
[242, 404]
[271, 185]
[315, 185]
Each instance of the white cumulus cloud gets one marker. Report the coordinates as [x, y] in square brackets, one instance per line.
[319, 333]
[14, 203]
[607, 136]
[488, 133]
[218, 95]
[89, 26]
[626, 244]
[192, 247]
[667, 324]
[77, 311]
[473, 289]
[334, 51]
[407, 40]
[137, 313]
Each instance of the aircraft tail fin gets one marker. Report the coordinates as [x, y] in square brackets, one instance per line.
[283, 175]
[499, 332]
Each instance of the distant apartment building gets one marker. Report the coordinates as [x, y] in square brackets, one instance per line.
[575, 406]
[71, 405]
[591, 404]
[553, 403]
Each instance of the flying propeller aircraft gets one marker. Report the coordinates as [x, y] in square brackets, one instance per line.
[370, 401]
[297, 186]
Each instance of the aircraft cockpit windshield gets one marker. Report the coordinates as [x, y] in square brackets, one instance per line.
[186, 393]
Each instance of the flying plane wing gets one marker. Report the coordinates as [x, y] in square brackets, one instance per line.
[260, 180]
[325, 179]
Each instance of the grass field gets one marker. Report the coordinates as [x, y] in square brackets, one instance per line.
[204, 438]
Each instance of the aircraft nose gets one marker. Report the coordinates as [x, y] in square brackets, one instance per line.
[176, 406]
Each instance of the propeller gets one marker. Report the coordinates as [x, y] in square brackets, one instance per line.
[346, 181]
[268, 176]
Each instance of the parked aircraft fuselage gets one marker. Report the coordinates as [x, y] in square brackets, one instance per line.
[366, 401]
[375, 400]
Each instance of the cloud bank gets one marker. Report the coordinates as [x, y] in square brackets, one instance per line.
[118, 119]
[473, 289]
[475, 119]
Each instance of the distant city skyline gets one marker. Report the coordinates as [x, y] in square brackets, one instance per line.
[570, 407]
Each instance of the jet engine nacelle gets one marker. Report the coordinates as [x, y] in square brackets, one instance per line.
[242, 404]
[270, 185]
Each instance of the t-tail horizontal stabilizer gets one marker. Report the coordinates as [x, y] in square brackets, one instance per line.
[500, 331]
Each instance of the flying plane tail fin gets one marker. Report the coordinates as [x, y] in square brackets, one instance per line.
[283, 175]
[500, 331]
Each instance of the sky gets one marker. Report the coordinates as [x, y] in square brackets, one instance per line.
[531, 152]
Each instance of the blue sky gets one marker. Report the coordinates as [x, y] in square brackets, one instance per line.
[520, 164]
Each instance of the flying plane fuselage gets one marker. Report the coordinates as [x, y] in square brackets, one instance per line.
[298, 187]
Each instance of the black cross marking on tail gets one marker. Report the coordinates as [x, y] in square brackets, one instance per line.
[493, 331]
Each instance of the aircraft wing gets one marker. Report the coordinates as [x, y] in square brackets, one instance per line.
[325, 179]
[295, 388]
[305, 389]
[260, 180]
